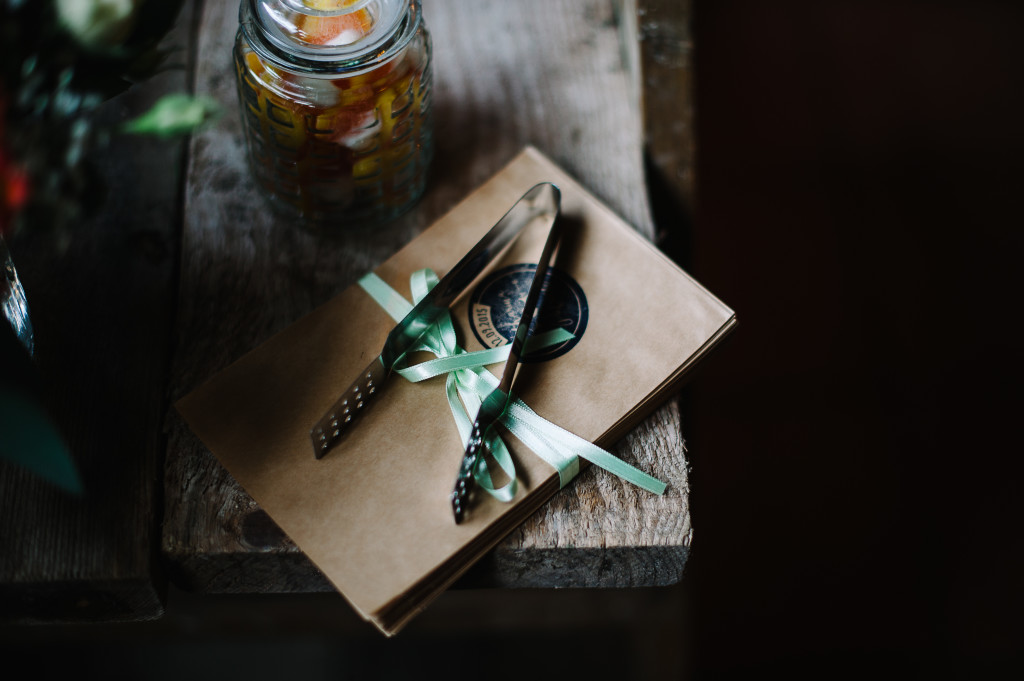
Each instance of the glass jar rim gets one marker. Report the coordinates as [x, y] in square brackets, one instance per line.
[327, 61]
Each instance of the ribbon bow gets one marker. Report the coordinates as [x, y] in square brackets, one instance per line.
[468, 382]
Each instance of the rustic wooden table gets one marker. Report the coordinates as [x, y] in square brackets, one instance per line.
[169, 287]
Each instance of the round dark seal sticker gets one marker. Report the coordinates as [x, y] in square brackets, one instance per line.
[497, 304]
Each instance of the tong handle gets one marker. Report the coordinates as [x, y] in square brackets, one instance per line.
[329, 429]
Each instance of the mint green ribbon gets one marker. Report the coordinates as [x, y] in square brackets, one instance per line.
[467, 383]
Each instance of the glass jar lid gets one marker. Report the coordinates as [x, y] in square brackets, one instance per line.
[327, 31]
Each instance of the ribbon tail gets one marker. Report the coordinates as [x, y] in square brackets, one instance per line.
[519, 411]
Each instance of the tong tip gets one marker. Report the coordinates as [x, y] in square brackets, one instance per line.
[320, 445]
[457, 508]
[464, 481]
[329, 429]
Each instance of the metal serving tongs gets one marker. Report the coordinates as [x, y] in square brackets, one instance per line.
[497, 401]
[542, 201]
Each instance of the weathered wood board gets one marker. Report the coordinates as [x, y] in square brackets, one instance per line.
[666, 52]
[545, 73]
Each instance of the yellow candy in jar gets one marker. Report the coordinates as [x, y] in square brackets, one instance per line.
[335, 101]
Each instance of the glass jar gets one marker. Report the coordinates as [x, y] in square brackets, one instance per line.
[335, 99]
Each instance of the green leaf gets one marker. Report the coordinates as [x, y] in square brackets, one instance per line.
[27, 434]
[174, 114]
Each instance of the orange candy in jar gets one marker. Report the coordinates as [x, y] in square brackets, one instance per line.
[335, 99]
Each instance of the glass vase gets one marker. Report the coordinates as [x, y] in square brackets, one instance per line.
[13, 304]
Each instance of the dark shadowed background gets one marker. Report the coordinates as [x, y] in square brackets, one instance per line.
[854, 446]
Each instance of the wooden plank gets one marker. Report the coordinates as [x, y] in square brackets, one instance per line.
[506, 75]
[664, 69]
[102, 312]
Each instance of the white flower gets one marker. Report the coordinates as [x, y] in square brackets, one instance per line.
[98, 23]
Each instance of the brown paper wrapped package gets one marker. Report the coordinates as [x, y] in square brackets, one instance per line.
[374, 514]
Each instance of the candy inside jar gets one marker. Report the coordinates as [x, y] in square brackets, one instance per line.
[335, 100]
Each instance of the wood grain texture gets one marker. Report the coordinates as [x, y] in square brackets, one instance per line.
[506, 75]
[665, 69]
[102, 310]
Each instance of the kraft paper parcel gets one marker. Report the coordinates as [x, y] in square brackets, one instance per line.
[374, 514]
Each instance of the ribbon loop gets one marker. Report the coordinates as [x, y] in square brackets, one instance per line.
[467, 383]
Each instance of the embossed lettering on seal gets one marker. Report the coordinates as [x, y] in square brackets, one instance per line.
[497, 303]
